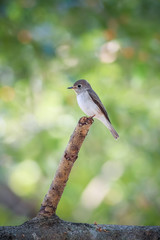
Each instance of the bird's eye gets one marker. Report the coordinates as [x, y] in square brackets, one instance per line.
[79, 85]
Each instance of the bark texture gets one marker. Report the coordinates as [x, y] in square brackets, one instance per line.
[51, 200]
[43, 228]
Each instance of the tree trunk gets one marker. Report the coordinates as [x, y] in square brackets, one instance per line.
[53, 228]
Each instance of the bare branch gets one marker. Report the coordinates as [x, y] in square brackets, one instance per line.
[52, 198]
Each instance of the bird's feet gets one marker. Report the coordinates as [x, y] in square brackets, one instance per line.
[91, 117]
[85, 120]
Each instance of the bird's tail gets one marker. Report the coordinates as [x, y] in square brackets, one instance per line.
[113, 131]
[109, 126]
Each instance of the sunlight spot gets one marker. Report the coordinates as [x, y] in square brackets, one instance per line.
[108, 51]
[24, 177]
[29, 123]
[99, 186]
[71, 62]
[94, 193]
[114, 196]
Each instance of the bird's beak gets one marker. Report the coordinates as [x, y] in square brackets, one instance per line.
[70, 88]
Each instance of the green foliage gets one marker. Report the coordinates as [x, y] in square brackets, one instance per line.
[45, 47]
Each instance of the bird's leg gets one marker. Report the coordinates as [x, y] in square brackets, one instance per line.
[91, 117]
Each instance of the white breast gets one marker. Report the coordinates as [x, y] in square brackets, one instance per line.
[86, 104]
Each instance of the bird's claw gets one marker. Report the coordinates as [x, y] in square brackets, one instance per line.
[91, 117]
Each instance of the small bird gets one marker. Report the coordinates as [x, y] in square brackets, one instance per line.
[91, 105]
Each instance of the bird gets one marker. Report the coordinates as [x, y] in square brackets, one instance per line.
[91, 104]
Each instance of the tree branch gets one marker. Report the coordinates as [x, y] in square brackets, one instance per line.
[52, 198]
[54, 228]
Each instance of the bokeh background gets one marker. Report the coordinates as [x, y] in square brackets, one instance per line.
[45, 46]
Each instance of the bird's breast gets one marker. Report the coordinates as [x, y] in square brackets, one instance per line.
[86, 104]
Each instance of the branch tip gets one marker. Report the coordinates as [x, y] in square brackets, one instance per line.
[85, 121]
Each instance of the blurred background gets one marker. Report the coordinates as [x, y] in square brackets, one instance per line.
[45, 46]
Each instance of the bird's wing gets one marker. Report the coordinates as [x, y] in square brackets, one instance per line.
[98, 102]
